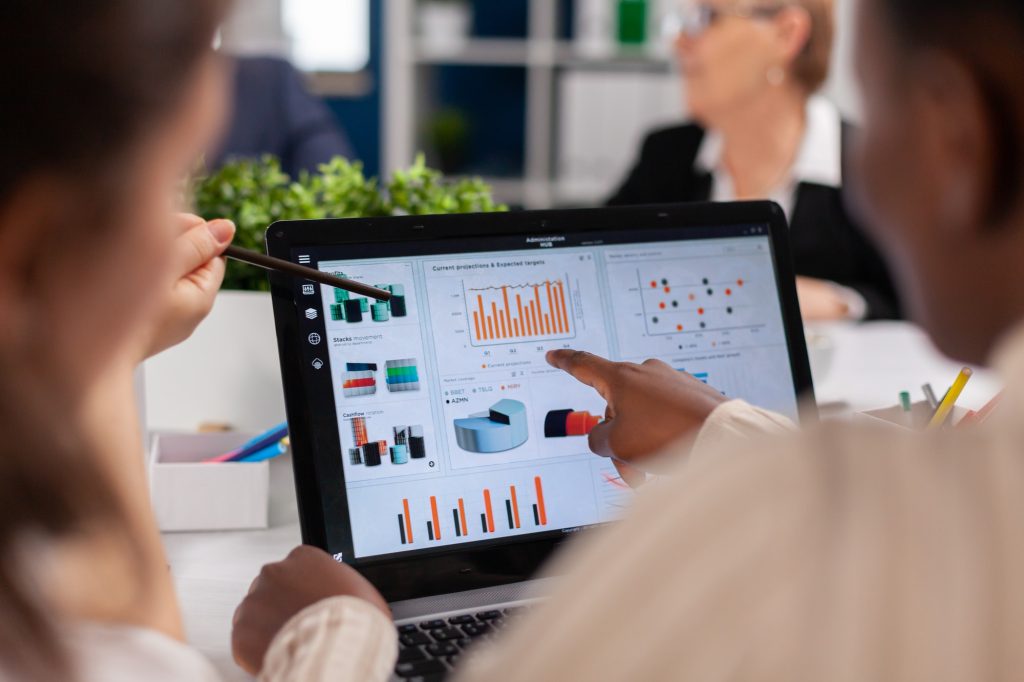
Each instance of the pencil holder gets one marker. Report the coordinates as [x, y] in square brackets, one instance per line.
[917, 419]
[190, 494]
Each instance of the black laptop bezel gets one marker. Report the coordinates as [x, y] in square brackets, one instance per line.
[466, 567]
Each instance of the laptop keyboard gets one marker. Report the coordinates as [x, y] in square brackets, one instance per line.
[430, 650]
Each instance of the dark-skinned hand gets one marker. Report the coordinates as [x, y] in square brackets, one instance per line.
[650, 405]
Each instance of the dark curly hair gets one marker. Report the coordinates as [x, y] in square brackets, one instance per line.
[988, 37]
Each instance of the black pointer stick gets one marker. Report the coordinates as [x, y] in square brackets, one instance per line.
[302, 272]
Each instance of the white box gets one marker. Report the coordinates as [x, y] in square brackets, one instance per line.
[189, 494]
[917, 419]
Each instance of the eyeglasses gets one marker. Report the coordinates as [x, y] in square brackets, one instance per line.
[694, 18]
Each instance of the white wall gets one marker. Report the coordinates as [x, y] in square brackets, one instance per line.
[254, 28]
[842, 84]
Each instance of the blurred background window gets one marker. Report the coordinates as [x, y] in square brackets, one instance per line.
[327, 35]
[314, 35]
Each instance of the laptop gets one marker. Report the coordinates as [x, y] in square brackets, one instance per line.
[434, 448]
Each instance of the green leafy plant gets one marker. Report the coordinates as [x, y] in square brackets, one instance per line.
[256, 192]
[448, 133]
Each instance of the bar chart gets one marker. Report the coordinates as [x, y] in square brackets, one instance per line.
[430, 525]
[512, 313]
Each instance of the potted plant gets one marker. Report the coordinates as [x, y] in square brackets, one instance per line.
[234, 347]
[256, 192]
[447, 133]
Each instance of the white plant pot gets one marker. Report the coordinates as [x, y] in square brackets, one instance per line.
[227, 372]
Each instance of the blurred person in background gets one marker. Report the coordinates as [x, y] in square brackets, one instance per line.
[759, 131]
[273, 112]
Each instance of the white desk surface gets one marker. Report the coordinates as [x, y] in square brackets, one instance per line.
[869, 366]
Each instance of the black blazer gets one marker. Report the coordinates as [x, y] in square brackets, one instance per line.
[823, 237]
[274, 113]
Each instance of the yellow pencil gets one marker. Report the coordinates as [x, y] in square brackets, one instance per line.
[946, 406]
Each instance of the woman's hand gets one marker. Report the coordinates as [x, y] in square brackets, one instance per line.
[649, 405]
[199, 271]
[307, 575]
[820, 300]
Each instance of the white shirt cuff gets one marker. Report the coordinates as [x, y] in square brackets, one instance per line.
[341, 639]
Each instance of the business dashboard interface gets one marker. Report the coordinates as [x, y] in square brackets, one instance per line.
[438, 420]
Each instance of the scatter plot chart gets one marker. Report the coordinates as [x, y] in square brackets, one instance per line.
[689, 299]
[680, 303]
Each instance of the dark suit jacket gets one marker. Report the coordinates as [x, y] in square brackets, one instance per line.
[824, 239]
[274, 113]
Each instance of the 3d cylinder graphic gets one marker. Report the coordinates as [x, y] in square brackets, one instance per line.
[562, 423]
[399, 454]
[501, 428]
[417, 442]
[353, 311]
[380, 311]
[371, 454]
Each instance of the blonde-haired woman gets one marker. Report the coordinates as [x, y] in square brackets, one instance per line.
[759, 131]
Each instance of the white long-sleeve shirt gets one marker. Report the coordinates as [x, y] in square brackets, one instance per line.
[843, 552]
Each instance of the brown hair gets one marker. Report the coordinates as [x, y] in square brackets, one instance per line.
[84, 82]
[811, 66]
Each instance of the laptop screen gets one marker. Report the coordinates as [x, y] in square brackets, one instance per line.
[438, 421]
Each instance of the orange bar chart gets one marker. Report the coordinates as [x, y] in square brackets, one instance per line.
[540, 515]
[405, 523]
[434, 527]
[510, 313]
[515, 505]
[488, 515]
[431, 506]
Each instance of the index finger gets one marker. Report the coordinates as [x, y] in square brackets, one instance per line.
[587, 368]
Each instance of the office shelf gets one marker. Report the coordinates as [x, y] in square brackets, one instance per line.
[525, 53]
[410, 91]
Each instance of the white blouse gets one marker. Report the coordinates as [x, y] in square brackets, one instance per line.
[819, 161]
